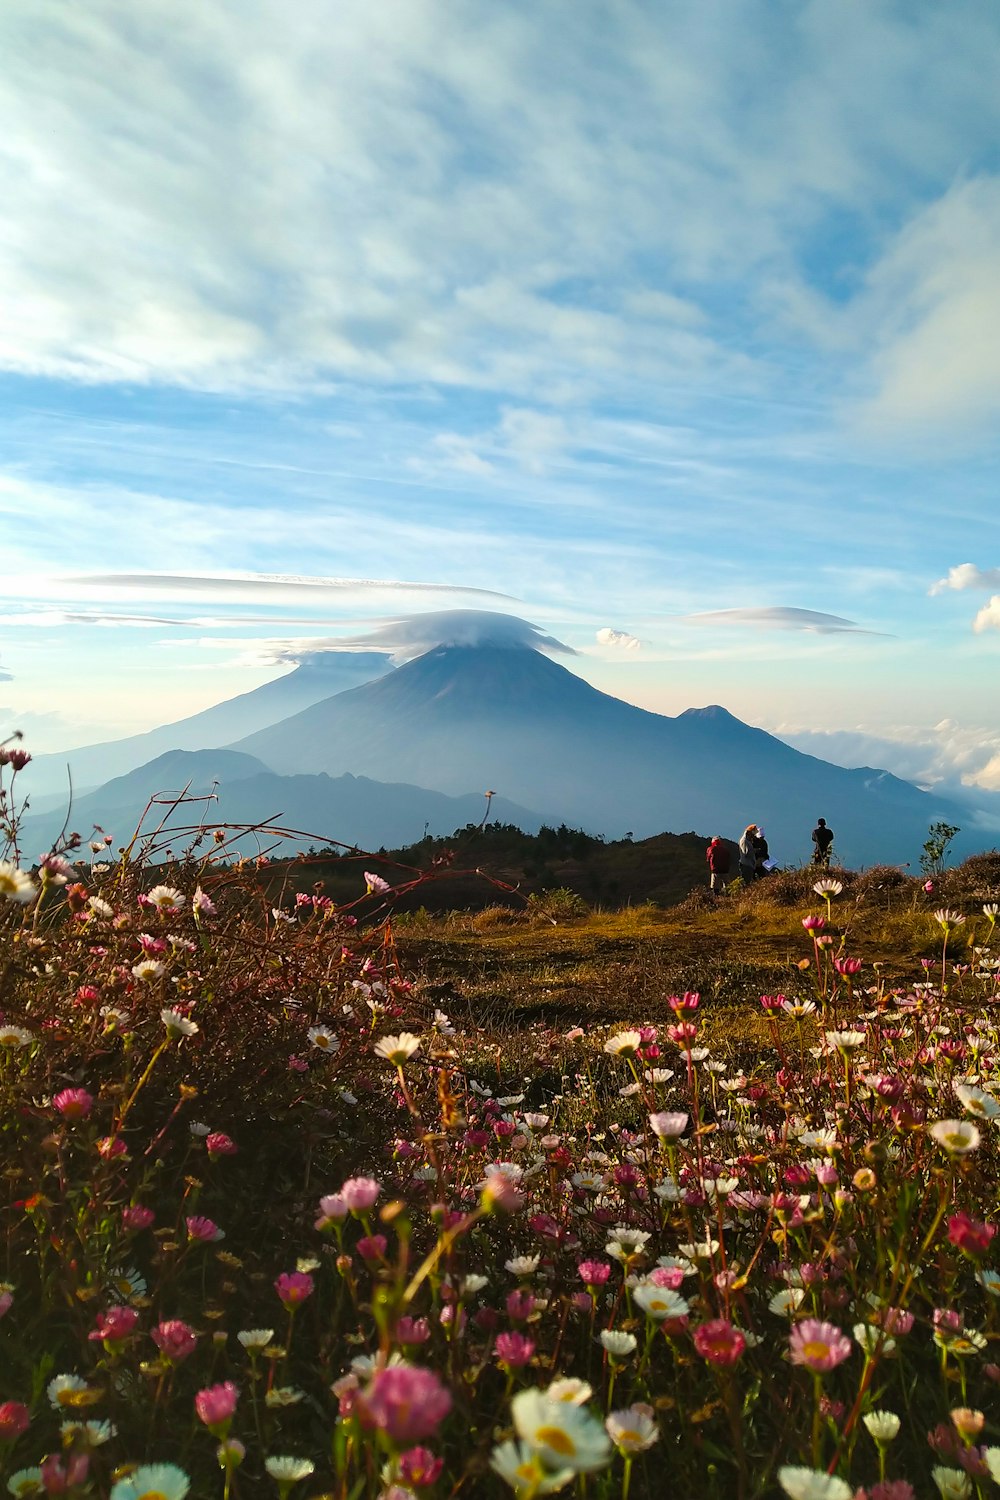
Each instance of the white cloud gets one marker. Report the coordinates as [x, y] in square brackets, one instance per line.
[988, 617]
[620, 639]
[778, 617]
[5, 676]
[967, 576]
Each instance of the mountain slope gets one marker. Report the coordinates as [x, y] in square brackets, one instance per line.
[516, 721]
[317, 677]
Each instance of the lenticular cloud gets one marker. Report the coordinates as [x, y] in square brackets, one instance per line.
[415, 635]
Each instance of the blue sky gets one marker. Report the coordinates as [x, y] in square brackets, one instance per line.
[675, 321]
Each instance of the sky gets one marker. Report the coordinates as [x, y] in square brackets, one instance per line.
[671, 328]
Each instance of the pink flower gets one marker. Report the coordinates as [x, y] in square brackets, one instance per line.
[372, 1247]
[896, 1321]
[671, 1277]
[971, 1237]
[15, 1418]
[347, 1390]
[406, 1402]
[298, 1065]
[374, 884]
[219, 1144]
[201, 905]
[412, 1331]
[520, 1305]
[360, 1193]
[111, 1147]
[593, 1272]
[136, 1216]
[59, 1477]
[668, 1124]
[175, 1340]
[514, 1350]
[6, 1303]
[818, 1346]
[332, 1210]
[719, 1342]
[683, 1007]
[419, 1467]
[215, 1406]
[116, 1324]
[813, 924]
[293, 1287]
[73, 1104]
[501, 1191]
[206, 1230]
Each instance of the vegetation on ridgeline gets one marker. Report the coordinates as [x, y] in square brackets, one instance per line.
[305, 1197]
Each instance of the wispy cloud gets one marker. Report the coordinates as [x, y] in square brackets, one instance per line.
[248, 586]
[934, 301]
[779, 617]
[526, 162]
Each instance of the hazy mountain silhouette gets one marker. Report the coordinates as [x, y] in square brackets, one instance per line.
[316, 677]
[510, 718]
[346, 809]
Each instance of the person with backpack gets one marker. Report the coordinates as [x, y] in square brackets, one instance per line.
[822, 838]
[719, 862]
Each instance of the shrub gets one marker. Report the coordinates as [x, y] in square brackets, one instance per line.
[560, 905]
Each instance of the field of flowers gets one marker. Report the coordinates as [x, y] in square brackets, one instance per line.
[274, 1225]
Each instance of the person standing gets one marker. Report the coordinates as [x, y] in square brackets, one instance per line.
[822, 838]
[748, 854]
[718, 864]
[763, 853]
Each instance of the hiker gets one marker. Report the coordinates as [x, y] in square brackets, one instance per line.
[763, 854]
[822, 838]
[718, 864]
[748, 854]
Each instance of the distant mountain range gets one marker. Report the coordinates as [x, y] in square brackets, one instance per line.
[462, 719]
[227, 786]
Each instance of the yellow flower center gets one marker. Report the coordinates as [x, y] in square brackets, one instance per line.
[628, 1436]
[556, 1439]
[153, 1495]
[815, 1349]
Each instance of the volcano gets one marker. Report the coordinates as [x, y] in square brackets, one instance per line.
[506, 717]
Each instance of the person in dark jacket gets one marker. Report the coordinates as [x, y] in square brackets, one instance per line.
[718, 864]
[822, 838]
[762, 853]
